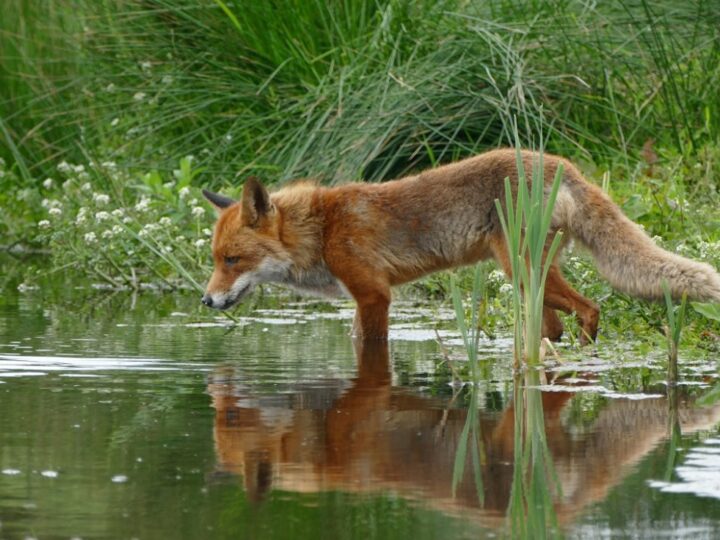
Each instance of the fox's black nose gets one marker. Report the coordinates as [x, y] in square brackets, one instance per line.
[207, 300]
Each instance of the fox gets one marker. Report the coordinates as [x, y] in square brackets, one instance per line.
[360, 239]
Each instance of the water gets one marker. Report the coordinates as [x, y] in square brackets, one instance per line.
[143, 416]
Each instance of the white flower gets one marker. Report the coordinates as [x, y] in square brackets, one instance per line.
[64, 167]
[198, 211]
[78, 169]
[506, 288]
[102, 216]
[228, 137]
[67, 184]
[86, 186]
[496, 276]
[200, 243]
[90, 237]
[81, 216]
[110, 87]
[180, 239]
[139, 96]
[146, 65]
[55, 211]
[143, 204]
[167, 249]
[107, 233]
[43, 224]
[101, 199]
[165, 221]
[193, 202]
[118, 212]
[167, 79]
[115, 122]
[207, 232]
[83, 175]
[127, 220]
[109, 165]
[184, 192]
[48, 183]
[117, 229]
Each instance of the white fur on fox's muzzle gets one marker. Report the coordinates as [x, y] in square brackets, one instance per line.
[242, 286]
[267, 271]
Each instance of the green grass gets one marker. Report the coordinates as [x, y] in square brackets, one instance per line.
[350, 89]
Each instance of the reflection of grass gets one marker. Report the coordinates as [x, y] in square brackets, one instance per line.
[531, 512]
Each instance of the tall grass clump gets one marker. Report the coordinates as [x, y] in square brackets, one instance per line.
[526, 224]
[349, 89]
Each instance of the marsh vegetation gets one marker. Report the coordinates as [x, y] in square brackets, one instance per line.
[113, 116]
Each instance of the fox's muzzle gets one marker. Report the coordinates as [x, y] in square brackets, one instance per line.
[229, 299]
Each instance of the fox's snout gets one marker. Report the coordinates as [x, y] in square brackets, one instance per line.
[222, 302]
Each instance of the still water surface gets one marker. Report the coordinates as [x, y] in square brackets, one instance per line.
[142, 416]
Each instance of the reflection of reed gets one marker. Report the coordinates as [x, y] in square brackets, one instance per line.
[373, 437]
[531, 511]
[674, 432]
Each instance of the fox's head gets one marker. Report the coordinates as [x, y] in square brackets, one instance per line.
[246, 245]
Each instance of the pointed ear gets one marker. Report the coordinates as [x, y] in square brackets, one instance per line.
[220, 202]
[255, 201]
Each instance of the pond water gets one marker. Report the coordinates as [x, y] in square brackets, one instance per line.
[144, 416]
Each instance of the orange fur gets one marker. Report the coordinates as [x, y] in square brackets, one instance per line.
[361, 239]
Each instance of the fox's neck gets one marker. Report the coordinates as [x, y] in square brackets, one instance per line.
[301, 230]
[301, 225]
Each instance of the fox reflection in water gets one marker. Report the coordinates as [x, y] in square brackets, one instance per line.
[370, 436]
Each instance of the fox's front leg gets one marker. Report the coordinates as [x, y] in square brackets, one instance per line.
[369, 287]
[371, 316]
[373, 304]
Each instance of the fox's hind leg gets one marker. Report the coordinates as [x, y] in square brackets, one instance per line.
[552, 326]
[560, 295]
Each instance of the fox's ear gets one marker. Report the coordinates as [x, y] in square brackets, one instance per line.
[255, 201]
[220, 202]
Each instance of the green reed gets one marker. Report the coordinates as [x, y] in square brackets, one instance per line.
[675, 323]
[471, 435]
[526, 225]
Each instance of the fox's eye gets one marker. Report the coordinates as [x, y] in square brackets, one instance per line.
[231, 260]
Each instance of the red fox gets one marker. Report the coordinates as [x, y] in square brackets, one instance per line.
[360, 239]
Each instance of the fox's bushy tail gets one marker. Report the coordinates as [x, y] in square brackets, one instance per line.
[624, 253]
